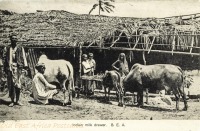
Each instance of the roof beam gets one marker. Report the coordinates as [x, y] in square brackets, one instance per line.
[117, 39]
[136, 49]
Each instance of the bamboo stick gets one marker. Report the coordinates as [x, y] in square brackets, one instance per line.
[143, 56]
[41, 47]
[137, 39]
[173, 45]
[192, 43]
[136, 43]
[136, 49]
[116, 39]
[80, 60]
[180, 15]
[151, 44]
[129, 43]
[91, 44]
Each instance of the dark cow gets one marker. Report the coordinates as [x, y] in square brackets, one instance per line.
[60, 71]
[112, 80]
[156, 77]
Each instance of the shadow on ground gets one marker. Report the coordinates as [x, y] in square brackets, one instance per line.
[4, 102]
[51, 102]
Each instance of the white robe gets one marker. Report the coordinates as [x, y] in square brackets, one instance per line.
[42, 90]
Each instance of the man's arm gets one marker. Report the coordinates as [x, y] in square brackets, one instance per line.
[46, 83]
[86, 68]
[114, 65]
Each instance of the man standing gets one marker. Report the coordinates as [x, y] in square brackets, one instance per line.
[14, 61]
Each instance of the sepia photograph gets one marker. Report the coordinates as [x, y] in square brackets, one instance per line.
[99, 60]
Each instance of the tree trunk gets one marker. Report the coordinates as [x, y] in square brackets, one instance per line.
[99, 6]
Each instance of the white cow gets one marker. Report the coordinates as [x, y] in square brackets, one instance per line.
[60, 71]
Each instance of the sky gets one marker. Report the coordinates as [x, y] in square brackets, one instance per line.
[123, 8]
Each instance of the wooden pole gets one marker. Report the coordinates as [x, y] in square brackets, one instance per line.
[99, 6]
[116, 39]
[147, 91]
[80, 66]
[136, 49]
[80, 56]
[173, 44]
[143, 56]
[192, 43]
[151, 44]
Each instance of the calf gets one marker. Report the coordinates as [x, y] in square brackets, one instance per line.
[112, 80]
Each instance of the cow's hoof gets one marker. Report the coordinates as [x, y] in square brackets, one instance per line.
[140, 106]
[69, 103]
[120, 104]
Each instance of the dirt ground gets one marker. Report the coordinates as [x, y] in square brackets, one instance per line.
[95, 108]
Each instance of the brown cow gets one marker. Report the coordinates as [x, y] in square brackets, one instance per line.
[156, 77]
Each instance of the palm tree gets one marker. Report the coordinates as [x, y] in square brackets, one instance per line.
[104, 5]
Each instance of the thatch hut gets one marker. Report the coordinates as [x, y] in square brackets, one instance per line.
[66, 35]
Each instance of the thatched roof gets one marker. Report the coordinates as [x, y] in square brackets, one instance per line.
[61, 28]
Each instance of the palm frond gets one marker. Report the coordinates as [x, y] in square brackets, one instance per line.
[108, 8]
[94, 6]
[109, 0]
[108, 4]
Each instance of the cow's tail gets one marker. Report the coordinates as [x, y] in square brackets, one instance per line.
[182, 78]
[183, 74]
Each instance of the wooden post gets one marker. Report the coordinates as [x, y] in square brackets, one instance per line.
[80, 56]
[192, 43]
[80, 66]
[143, 56]
[147, 91]
[173, 43]
[99, 6]
[151, 44]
